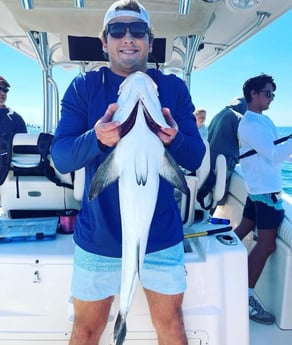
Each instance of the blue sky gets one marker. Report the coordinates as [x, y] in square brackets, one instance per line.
[269, 51]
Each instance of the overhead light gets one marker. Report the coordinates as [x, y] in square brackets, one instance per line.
[79, 3]
[238, 5]
[184, 7]
[27, 4]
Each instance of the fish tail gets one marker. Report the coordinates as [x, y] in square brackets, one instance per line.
[120, 330]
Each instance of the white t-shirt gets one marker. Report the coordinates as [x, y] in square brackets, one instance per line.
[203, 131]
[262, 171]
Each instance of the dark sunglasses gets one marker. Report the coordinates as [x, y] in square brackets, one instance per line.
[268, 93]
[4, 89]
[137, 29]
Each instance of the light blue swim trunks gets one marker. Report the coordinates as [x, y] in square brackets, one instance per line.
[96, 277]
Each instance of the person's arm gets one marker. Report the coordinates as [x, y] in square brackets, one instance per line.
[75, 144]
[261, 140]
[187, 147]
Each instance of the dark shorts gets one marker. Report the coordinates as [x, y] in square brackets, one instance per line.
[265, 210]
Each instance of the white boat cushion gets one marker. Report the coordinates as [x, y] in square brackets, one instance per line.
[285, 230]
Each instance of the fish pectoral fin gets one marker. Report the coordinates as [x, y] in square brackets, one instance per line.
[120, 330]
[105, 174]
[171, 172]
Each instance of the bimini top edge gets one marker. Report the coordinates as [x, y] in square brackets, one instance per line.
[197, 32]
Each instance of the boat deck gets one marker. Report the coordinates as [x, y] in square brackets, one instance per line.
[268, 335]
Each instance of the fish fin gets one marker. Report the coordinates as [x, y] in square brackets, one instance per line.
[141, 169]
[105, 174]
[173, 174]
[120, 330]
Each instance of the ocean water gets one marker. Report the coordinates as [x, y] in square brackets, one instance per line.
[286, 166]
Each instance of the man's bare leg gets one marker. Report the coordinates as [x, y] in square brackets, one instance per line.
[90, 319]
[166, 315]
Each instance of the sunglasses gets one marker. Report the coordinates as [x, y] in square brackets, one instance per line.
[4, 89]
[137, 29]
[268, 93]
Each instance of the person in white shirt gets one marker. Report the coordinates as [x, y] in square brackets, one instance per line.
[262, 173]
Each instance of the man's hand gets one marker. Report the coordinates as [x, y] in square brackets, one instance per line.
[166, 135]
[106, 130]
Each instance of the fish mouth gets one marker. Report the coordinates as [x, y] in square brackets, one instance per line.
[152, 125]
[127, 125]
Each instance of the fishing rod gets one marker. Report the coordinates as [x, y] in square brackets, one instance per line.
[278, 141]
[208, 233]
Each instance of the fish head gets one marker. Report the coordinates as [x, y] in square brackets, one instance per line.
[139, 87]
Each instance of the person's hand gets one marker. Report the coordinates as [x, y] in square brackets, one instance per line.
[166, 135]
[106, 130]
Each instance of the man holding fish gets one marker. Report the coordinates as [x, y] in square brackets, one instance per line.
[129, 126]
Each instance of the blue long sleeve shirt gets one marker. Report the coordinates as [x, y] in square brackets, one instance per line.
[98, 226]
[11, 122]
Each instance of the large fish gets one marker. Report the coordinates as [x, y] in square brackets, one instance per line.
[136, 162]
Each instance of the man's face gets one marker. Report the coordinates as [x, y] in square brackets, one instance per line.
[264, 97]
[3, 94]
[201, 118]
[127, 54]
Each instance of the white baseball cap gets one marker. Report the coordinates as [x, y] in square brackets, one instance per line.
[115, 12]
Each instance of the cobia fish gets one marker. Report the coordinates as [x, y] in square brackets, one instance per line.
[137, 161]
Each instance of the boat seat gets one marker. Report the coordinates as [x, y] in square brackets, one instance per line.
[28, 192]
[79, 183]
[36, 192]
[189, 205]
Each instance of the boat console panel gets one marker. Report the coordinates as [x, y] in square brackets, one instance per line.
[84, 48]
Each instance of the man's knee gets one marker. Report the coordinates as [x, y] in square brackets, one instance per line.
[271, 248]
[163, 319]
